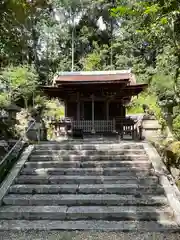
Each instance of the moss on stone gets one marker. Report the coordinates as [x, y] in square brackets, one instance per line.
[172, 153]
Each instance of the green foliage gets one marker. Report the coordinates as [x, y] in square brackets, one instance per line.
[121, 11]
[151, 101]
[51, 108]
[172, 154]
[155, 30]
[4, 100]
[153, 9]
[97, 60]
[41, 101]
[163, 20]
[17, 30]
[19, 82]
[142, 35]
[176, 127]
[144, 98]
[54, 109]
[92, 62]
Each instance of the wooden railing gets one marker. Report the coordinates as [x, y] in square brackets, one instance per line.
[97, 125]
[122, 126]
[128, 126]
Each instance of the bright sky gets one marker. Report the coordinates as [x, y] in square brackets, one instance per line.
[100, 22]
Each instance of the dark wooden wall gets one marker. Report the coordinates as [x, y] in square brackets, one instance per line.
[115, 110]
[71, 110]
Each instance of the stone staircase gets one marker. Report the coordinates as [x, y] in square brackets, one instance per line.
[87, 186]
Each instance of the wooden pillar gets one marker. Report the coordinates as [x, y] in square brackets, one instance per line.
[82, 110]
[114, 125]
[65, 108]
[78, 107]
[93, 127]
[107, 110]
[124, 111]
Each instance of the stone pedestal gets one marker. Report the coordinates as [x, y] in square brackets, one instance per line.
[37, 131]
[151, 129]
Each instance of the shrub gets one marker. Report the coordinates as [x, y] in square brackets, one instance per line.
[54, 109]
[172, 153]
[4, 100]
[176, 127]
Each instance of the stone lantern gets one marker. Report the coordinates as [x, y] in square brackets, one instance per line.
[12, 110]
[37, 130]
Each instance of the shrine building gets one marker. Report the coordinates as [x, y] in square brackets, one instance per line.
[95, 101]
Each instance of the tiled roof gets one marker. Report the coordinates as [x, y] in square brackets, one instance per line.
[95, 76]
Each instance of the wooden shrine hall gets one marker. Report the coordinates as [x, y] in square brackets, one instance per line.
[95, 101]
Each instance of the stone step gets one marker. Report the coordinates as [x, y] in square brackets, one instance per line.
[53, 164]
[88, 158]
[22, 179]
[164, 226]
[90, 146]
[123, 189]
[119, 213]
[89, 164]
[126, 171]
[84, 212]
[135, 163]
[33, 212]
[83, 200]
[90, 152]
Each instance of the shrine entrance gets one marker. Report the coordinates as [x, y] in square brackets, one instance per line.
[87, 111]
[99, 111]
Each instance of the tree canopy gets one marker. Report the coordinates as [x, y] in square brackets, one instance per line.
[141, 35]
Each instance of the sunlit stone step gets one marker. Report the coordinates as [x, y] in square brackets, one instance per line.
[89, 164]
[164, 226]
[33, 212]
[89, 152]
[126, 171]
[56, 179]
[84, 212]
[119, 213]
[122, 189]
[90, 146]
[83, 200]
[53, 164]
[93, 157]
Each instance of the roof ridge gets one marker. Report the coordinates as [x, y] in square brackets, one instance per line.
[111, 72]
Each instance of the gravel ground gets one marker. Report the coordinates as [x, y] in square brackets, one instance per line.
[54, 235]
